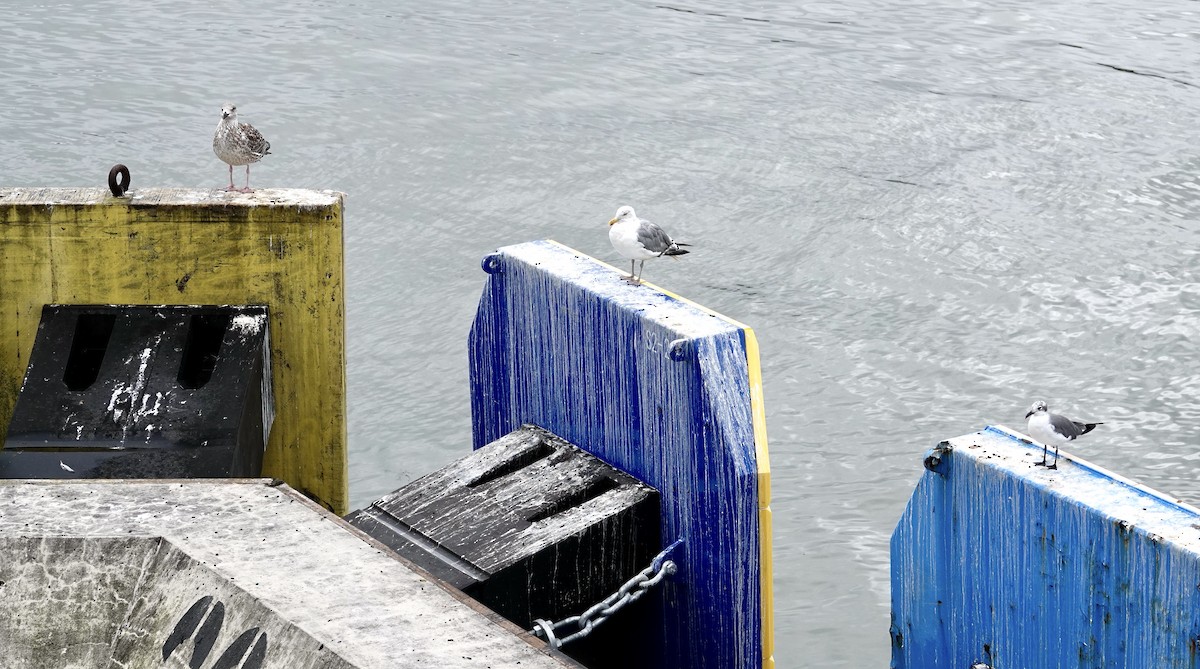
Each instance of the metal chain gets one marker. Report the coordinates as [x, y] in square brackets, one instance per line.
[660, 567]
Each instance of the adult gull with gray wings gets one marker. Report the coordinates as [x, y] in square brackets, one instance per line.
[1053, 429]
[640, 240]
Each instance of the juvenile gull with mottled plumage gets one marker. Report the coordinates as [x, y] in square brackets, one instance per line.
[238, 144]
[1053, 429]
[640, 240]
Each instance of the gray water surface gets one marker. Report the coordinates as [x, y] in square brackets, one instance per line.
[931, 212]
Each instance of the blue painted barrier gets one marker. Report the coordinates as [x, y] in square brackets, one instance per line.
[661, 388]
[999, 563]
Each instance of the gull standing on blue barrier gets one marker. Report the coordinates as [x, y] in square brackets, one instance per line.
[640, 240]
[1053, 429]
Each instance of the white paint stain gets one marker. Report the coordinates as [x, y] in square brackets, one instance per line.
[128, 397]
[246, 324]
[112, 401]
[145, 410]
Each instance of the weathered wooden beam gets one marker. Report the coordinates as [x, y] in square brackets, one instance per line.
[998, 562]
[530, 525]
[278, 247]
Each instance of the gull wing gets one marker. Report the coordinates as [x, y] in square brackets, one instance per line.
[255, 142]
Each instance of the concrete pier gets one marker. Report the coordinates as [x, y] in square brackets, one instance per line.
[219, 573]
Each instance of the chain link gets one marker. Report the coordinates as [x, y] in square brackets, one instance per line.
[660, 568]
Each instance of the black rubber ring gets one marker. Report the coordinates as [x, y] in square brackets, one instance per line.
[118, 186]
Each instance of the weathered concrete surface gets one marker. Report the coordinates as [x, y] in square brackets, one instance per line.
[214, 574]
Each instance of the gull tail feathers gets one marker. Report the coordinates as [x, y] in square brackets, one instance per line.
[1087, 427]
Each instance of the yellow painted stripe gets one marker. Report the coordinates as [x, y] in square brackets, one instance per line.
[761, 458]
[763, 464]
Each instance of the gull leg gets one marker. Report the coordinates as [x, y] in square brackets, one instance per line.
[641, 268]
[629, 279]
[1055, 465]
[231, 186]
[247, 189]
[1043, 462]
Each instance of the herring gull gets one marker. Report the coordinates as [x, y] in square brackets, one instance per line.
[640, 240]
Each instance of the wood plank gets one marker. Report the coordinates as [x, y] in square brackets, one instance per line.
[530, 525]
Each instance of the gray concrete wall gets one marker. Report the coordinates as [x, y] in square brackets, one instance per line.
[217, 575]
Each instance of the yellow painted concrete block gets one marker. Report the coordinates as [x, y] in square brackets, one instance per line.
[279, 247]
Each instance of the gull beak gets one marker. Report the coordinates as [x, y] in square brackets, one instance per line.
[1028, 414]
[612, 221]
